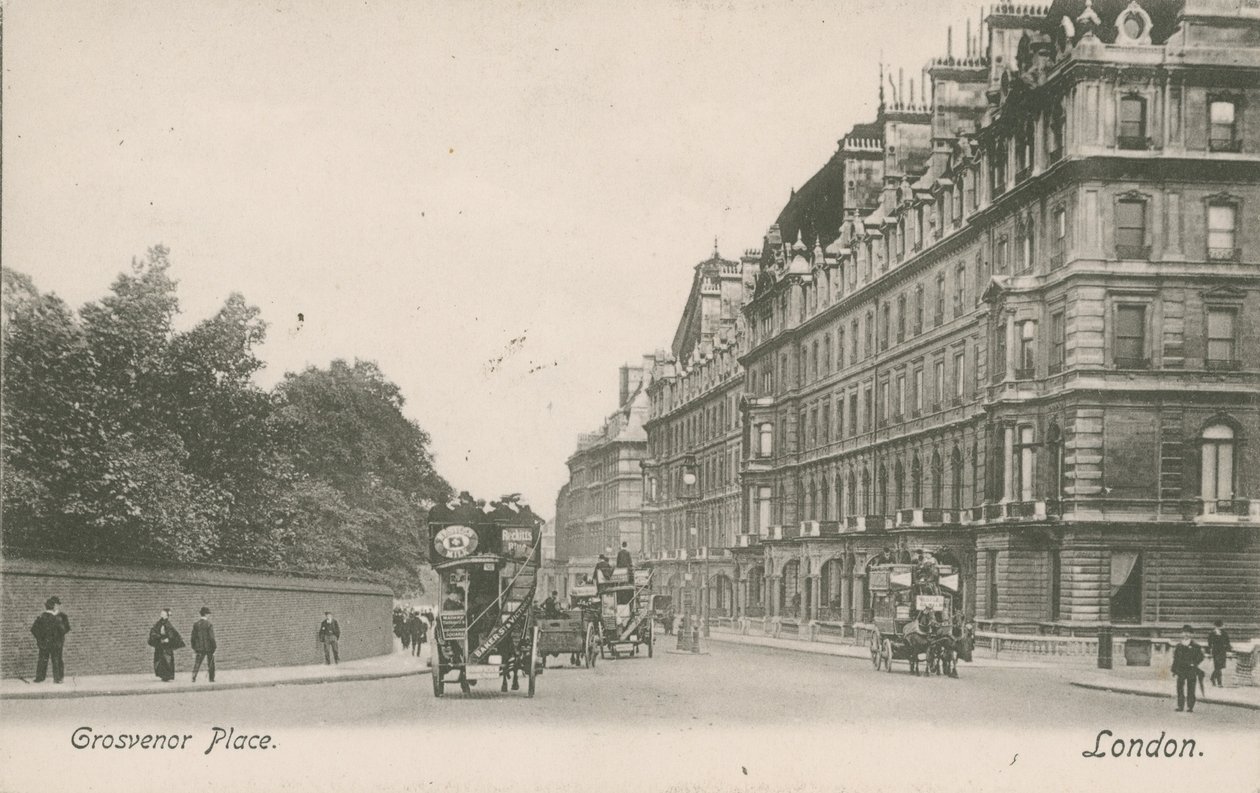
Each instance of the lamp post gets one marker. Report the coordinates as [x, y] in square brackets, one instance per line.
[699, 593]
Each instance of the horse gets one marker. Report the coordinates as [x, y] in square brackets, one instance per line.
[944, 653]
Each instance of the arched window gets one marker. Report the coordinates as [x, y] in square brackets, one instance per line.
[916, 482]
[938, 479]
[1217, 471]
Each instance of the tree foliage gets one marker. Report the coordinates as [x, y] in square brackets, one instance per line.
[121, 434]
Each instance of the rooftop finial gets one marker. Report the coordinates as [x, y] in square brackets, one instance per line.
[715, 247]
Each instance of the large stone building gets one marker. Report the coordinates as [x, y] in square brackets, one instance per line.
[691, 508]
[600, 506]
[1013, 323]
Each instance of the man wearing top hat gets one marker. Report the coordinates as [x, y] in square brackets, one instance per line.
[204, 644]
[50, 631]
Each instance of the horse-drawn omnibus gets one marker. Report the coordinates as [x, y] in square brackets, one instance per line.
[917, 617]
[625, 612]
[575, 631]
[487, 557]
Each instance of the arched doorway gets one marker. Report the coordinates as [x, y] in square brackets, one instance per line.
[830, 582]
[790, 596]
[721, 596]
[756, 604]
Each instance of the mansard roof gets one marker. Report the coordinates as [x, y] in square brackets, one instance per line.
[816, 209]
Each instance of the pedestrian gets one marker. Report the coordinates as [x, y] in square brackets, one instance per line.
[603, 570]
[164, 640]
[1219, 647]
[400, 625]
[50, 629]
[329, 634]
[626, 562]
[203, 644]
[796, 604]
[1187, 656]
[416, 629]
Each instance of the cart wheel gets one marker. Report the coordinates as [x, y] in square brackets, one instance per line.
[533, 662]
[651, 640]
[439, 685]
[875, 650]
[888, 655]
[588, 651]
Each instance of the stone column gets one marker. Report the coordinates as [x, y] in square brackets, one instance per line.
[859, 596]
[846, 598]
[772, 595]
[815, 592]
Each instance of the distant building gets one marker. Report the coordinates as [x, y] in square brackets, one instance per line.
[691, 509]
[599, 507]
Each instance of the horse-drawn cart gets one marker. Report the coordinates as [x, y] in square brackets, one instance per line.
[575, 631]
[916, 618]
[486, 556]
[625, 613]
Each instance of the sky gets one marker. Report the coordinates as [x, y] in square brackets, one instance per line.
[500, 203]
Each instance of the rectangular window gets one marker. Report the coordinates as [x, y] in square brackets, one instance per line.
[1221, 233]
[918, 391]
[839, 349]
[1222, 134]
[901, 395]
[960, 377]
[883, 402]
[1126, 586]
[1130, 347]
[940, 384]
[840, 418]
[1058, 342]
[763, 510]
[1026, 459]
[868, 409]
[867, 347]
[940, 299]
[997, 168]
[1132, 123]
[960, 289]
[999, 259]
[999, 353]
[1221, 336]
[991, 568]
[1131, 229]
[918, 309]
[1058, 241]
[853, 337]
[1026, 364]
[901, 318]
[853, 413]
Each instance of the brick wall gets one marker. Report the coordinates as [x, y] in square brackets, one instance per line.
[259, 620]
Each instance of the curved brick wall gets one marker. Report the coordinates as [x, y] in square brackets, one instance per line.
[259, 620]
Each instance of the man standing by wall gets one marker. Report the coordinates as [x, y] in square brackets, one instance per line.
[204, 644]
[50, 631]
[329, 635]
[1185, 666]
[1219, 647]
[164, 640]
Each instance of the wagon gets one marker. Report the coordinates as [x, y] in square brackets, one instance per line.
[898, 603]
[487, 557]
[577, 633]
[625, 613]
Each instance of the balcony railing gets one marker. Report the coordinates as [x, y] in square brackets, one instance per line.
[1230, 508]
[1225, 144]
[1133, 142]
[1132, 363]
[1133, 251]
[1224, 254]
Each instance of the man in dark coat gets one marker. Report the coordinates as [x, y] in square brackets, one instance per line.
[164, 640]
[50, 631]
[329, 635]
[625, 561]
[1185, 666]
[417, 629]
[1218, 647]
[204, 644]
[603, 570]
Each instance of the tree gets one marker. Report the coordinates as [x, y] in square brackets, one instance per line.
[345, 432]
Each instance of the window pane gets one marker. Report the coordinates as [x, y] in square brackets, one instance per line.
[1129, 321]
[1221, 218]
[1225, 471]
[1220, 324]
[1130, 214]
[1130, 111]
[1222, 113]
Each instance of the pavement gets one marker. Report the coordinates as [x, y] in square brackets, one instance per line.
[1147, 681]
[396, 664]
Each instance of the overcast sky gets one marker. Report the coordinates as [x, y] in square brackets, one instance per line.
[436, 186]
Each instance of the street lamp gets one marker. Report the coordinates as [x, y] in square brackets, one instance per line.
[699, 591]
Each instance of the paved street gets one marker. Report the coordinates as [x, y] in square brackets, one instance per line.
[741, 716]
